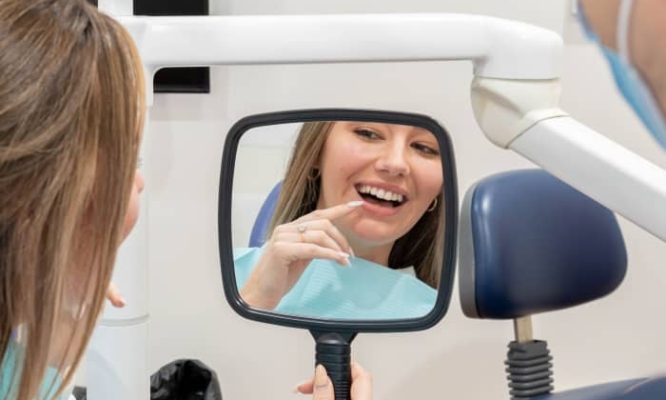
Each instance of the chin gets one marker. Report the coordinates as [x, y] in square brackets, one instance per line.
[374, 235]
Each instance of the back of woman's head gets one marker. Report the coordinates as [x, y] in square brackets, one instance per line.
[71, 113]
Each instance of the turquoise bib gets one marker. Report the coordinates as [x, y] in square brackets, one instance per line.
[362, 291]
[50, 384]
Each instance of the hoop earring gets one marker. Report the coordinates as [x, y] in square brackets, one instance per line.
[433, 205]
[314, 174]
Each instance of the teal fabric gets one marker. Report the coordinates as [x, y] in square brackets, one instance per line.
[362, 291]
[50, 384]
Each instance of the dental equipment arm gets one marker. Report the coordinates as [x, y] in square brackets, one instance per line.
[523, 116]
[515, 97]
[515, 93]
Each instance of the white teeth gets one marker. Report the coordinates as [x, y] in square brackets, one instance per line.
[381, 193]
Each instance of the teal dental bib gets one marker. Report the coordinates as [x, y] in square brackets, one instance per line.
[8, 373]
[362, 291]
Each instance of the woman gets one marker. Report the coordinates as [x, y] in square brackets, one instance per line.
[353, 190]
[71, 117]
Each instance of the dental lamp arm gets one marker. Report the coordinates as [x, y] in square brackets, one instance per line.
[600, 168]
[515, 64]
[523, 116]
[498, 48]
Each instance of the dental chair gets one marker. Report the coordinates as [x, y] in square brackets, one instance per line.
[259, 232]
[529, 244]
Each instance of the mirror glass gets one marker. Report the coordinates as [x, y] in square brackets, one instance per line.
[339, 219]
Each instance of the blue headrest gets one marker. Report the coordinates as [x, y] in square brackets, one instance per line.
[259, 235]
[635, 389]
[529, 243]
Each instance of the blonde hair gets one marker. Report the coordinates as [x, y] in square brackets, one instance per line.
[71, 115]
[421, 247]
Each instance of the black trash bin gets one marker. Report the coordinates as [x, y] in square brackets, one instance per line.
[185, 380]
[179, 380]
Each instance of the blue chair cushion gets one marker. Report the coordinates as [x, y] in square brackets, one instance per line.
[636, 389]
[529, 243]
[259, 232]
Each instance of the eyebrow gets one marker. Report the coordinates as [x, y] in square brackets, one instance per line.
[415, 130]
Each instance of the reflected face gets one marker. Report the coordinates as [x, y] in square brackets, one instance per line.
[334, 260]
[395, 169]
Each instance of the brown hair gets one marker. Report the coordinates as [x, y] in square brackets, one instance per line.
[71, 115]
[421, 247]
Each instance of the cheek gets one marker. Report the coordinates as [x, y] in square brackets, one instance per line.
[132, 214]
[344, 160]
[430, 180]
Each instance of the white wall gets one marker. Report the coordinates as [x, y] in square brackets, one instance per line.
[261, 162]
[620, 336]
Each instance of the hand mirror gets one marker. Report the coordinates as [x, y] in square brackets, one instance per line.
[338, 221]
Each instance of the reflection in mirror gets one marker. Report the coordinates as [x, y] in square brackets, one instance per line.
[344, 218]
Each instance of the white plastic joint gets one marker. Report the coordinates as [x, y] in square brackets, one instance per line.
[505, 108]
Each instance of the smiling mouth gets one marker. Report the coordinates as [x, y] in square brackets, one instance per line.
[381, 197]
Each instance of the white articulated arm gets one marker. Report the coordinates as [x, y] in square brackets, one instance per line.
[498, 48]
[602, 169]
[523, 116]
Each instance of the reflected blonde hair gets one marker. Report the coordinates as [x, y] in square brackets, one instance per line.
[422, 247]
[71, 115]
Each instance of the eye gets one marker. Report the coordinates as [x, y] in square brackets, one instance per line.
[367, 134]
[425, 149]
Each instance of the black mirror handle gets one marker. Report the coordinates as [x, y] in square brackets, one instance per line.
[333, 351]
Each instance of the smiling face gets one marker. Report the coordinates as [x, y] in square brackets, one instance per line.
[395, 169]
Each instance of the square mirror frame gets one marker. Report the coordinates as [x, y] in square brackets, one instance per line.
[450, 214]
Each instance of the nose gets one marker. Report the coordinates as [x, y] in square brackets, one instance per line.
[393, 161]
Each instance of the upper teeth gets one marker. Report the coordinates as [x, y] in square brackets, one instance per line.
[381, 193]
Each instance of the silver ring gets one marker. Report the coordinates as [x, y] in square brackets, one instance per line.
[302, 228]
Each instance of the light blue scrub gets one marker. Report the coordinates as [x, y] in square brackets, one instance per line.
[629, 81]
[362, 291]
[50, 384]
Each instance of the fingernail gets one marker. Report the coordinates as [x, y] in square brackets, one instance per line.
[122, 302]
[321, 380]
[355, 203]
[297, 388]
[351, 251]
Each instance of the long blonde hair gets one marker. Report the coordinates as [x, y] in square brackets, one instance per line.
[71, 115]
[422, 247]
